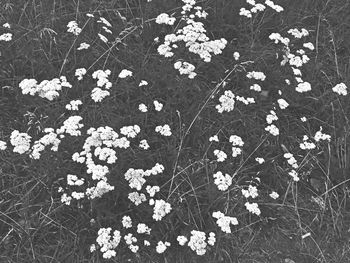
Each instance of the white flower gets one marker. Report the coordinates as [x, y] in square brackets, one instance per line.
[253, 208]
[227, 101]
[224, 221]
[223, 182]
[162, 246]
[157, 105]
[260, 160]
[272, 129]
[236, 55]
[73, 105]
[125, 73]
[252, 191]
[143, 83]
[294, 175]
[97, 94]
[211, 239]
[271, 117]
[3, 146]
[130, 131]
[197, 242]
[274, 195]
[163, 130]
[182, 240]
[144, 144]
[256, 75]
[303, 119]
[165, 19]
[321, 136]
[73, 28]
[152, 190]
[341, 89]
[20, 141]
[255, 87]
[236, 140]
[83, 46]
[137, 198]
[126, 222]
[79, 73]
[6, 37]
[236, 151]
[143, 229]
[160, 209]
[6, 25]
[220, 155]
[214, 138]
[282, 104]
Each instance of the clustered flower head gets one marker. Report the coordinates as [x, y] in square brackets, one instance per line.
[98, 94]
[46, 89]
[73, 28]
[73, 105]
[107, 243]
[258, 7]
[20, 141]
[253, 208]
[224, 221]
[6, 37]
[164, 130]
[3, 145]
[223, 182]
[220, 155]
[79, 73]
[252, 192]
[341, 89]
[50, 138]
[198, 242]
[160, 209]
[227, 102]
[193, 35]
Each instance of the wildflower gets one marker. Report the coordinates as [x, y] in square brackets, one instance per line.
[341, 89]
[260, 160]
[79, 73]
[20, 141]
[227, 102]
[6, 25]
[303, 87]
[144, 144]
[211, 239]
[83, 46]
[252, 191]
[152, 190]
[160, 209]
[143, 229]
[272, 129]
[163, 130]
[236, 151]
[214, 138]
[236, 140]
[221, 156]
[224, 221]
[236, 55]
[73, 105]
[3, 146]
[157, 105]
[165, 19]
[130, 131]
[271, 117]
[137, 198]
[256, 75]
[162, 246]
[253, 208]
[182, 240]
[6, 37]
[283, 104]
[143, 83]
[274, 195]
[223, 182]
[143, 108]
[125, 73]
[73, 28]
[255, 87]
[97, 94]
[126, 222]
[197, 242]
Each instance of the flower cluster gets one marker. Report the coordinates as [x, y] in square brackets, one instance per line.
[258, 7]
[193, 35]
[50, 138]
[164, 130]
[341, 89]
[98, 94]
[253, 208]
[107, 243]
[73, 28]
[227, 102]
[20, 141]
[46, 89]
[236, 143]
[252, 192]
[223, 182]
[224, 221]
[73, 105]
[160, 209]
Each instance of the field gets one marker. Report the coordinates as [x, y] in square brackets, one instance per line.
[175, 131]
